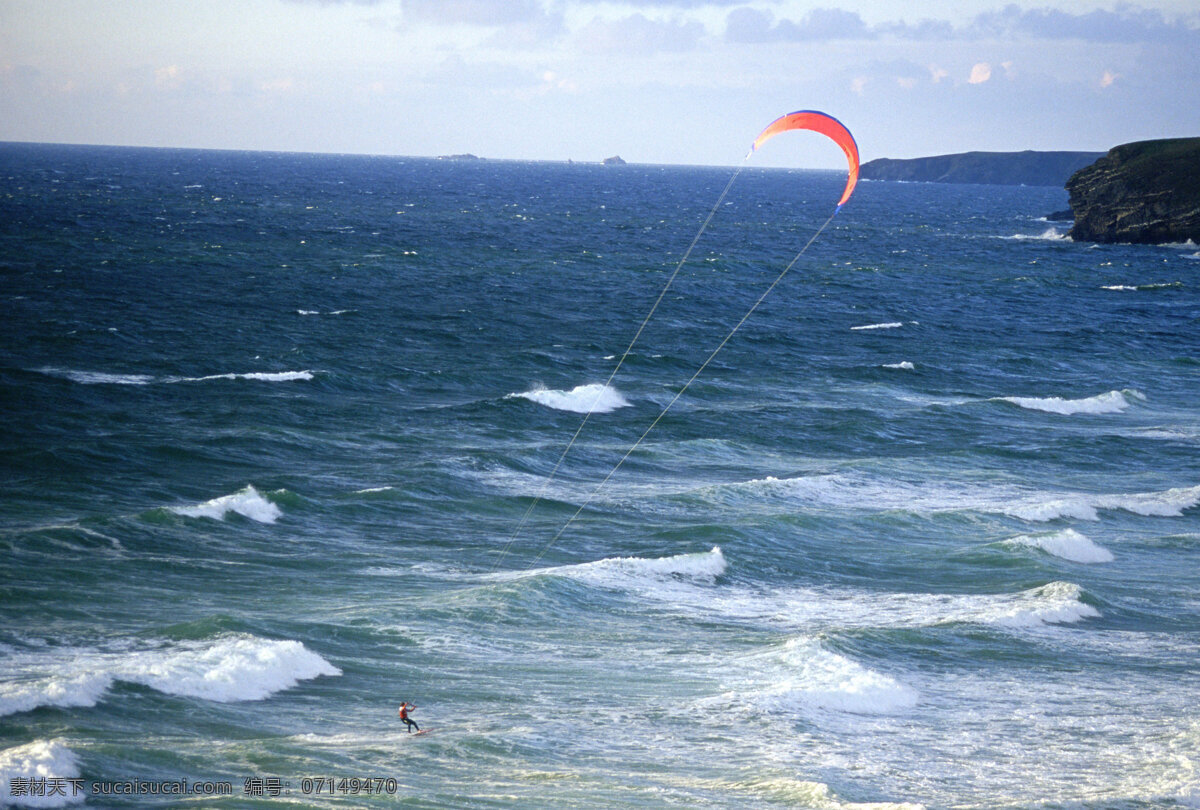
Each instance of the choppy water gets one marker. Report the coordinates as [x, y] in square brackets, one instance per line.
[924, 533]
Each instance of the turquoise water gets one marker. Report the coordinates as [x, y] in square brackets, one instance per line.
[924, 533]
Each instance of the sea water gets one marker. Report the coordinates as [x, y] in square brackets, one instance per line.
[283, 444]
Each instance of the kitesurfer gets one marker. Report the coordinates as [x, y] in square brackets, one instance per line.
[405, 708]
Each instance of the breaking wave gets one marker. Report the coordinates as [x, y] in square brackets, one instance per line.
[860, 492]
[1111, 402]
[688, 582]
[38, 760]
[1048, 235]
[247, 503]
[1067, 544]
[227, 669]
[803, 675]
[593, 398]
[622, 571]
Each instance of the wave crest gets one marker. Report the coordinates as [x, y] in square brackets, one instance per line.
[225, 669]
[1111, 402]
[1067, 544]
[859, 492]
[808, 676]
[704, 566]
[247, 503]
[38, 760]
[1053, 603]
[589, 398]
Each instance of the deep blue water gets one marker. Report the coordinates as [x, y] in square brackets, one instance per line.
[924, 532]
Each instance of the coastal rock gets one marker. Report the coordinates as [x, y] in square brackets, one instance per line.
[1146, 192]
[615, 160]
[1028, 168]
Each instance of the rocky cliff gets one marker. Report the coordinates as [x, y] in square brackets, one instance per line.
[1146, 192]
[1027, 168]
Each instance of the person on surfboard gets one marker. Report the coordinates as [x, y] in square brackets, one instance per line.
[405, 708]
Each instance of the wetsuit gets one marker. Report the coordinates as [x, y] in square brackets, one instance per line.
[404, 716]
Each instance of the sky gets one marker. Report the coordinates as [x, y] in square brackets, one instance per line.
[654, 81]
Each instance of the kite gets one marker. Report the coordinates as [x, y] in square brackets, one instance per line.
[826, 125]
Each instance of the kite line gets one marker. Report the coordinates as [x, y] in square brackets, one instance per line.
[802, 120]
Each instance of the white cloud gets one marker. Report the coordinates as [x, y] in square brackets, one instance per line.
[980, 73]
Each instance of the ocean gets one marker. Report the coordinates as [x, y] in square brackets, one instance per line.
[281, 447]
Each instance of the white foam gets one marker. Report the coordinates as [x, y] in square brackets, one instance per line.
[1067, 544]
[904, 364]
[860, 492]
[819, 609]
[247, 503]
[688, 582]
[106, 378]
[226, 669]
[593, 398]
[1169, 503]
[97, 377]
[38, 760]
[1048, 235]
[261, 376]
[888, 325]
[69, 688]
[1111, 402]
[806, 676]
[1054, 603]
[624, 571]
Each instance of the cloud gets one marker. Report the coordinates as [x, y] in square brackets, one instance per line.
[1109, 78]
[473, 12]
[821, 24]
[638, 34]
[980, 73]
[1126, 24]
[924, 30]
